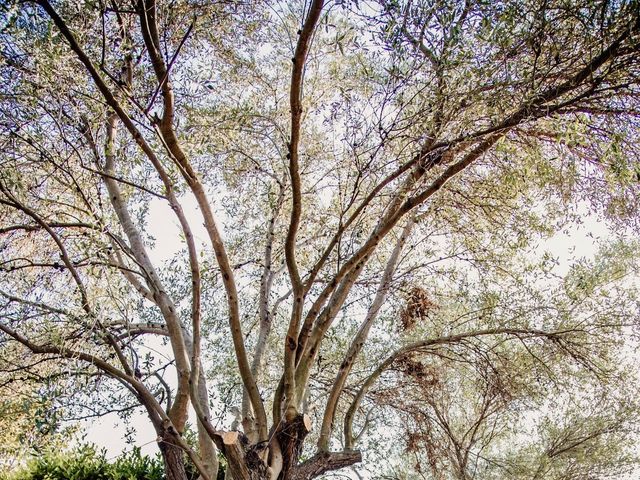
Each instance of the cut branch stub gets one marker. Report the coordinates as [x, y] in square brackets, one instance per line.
[229, 438]
[244, 463]
[306, 419]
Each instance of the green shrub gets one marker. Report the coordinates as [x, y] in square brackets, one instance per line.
[87, 463]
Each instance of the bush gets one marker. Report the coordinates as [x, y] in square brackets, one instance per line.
[87, 463]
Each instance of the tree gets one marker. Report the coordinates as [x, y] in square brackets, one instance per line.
[382, 171]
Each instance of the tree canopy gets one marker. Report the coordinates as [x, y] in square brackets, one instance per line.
[314, 231]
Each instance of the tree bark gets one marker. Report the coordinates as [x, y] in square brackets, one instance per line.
[173, 458]
[323, 462]
[291, 438]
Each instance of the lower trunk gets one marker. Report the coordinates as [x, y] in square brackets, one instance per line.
[172, 455]
[251, 462]
[173, 458]
[291, 436]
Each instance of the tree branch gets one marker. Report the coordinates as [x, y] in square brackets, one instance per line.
[295, 101]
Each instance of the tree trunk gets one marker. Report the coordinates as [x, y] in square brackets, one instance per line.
[173, 458]
[291, 437]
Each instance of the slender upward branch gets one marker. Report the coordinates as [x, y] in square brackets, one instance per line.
[359, 340]
[166, 130]
[166, 305]
[295, 100]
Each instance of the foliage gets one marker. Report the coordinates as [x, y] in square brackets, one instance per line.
[87, 463]
[30, 414]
